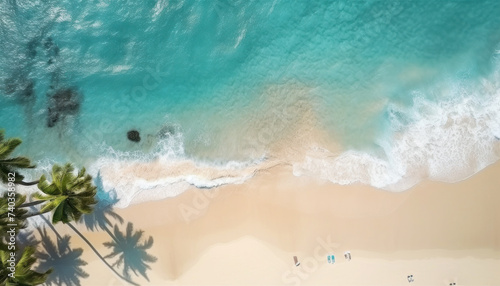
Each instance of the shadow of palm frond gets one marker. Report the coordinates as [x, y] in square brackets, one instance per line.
[65, 262]
[103, 210]
[26, 238]
[130, 252]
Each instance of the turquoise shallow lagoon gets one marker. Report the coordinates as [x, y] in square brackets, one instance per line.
[406, 90]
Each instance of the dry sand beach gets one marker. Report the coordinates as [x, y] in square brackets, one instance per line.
[248, 234]
[242, 134]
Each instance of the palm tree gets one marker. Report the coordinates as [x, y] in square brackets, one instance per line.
[16, 219]
[24, 275]
[10, 165]
[68, 197]
[131, 253]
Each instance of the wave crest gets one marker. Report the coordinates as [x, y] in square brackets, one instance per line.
[445, 141]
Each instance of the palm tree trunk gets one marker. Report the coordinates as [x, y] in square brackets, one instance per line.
[27, 183]
[34, 203]
[99, 255]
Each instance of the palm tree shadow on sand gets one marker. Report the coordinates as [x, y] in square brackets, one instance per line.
[65, 262]
[26, 238]
[130, 252]
[99, 218]
[103, 210]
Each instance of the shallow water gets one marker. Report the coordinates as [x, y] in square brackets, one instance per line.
[408, 89]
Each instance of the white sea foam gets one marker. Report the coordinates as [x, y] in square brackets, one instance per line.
[446, 141]
[165, 173]
[138, 182]
[441, 140]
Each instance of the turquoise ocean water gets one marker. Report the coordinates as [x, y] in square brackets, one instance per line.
[407, 89]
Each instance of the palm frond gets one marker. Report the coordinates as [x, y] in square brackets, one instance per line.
[69, 196]
[7, 147]
[17, 162]
[55, 175]
[48, 188]
[52, 204]
[7, 165]
[41, 197]
[58, 214]
[24, 274]
[67, 178]
[4, 171]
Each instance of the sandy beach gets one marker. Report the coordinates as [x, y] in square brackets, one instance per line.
[251, 142]
[248, 234]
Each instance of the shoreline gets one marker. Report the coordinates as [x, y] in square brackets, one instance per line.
[207, 237]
